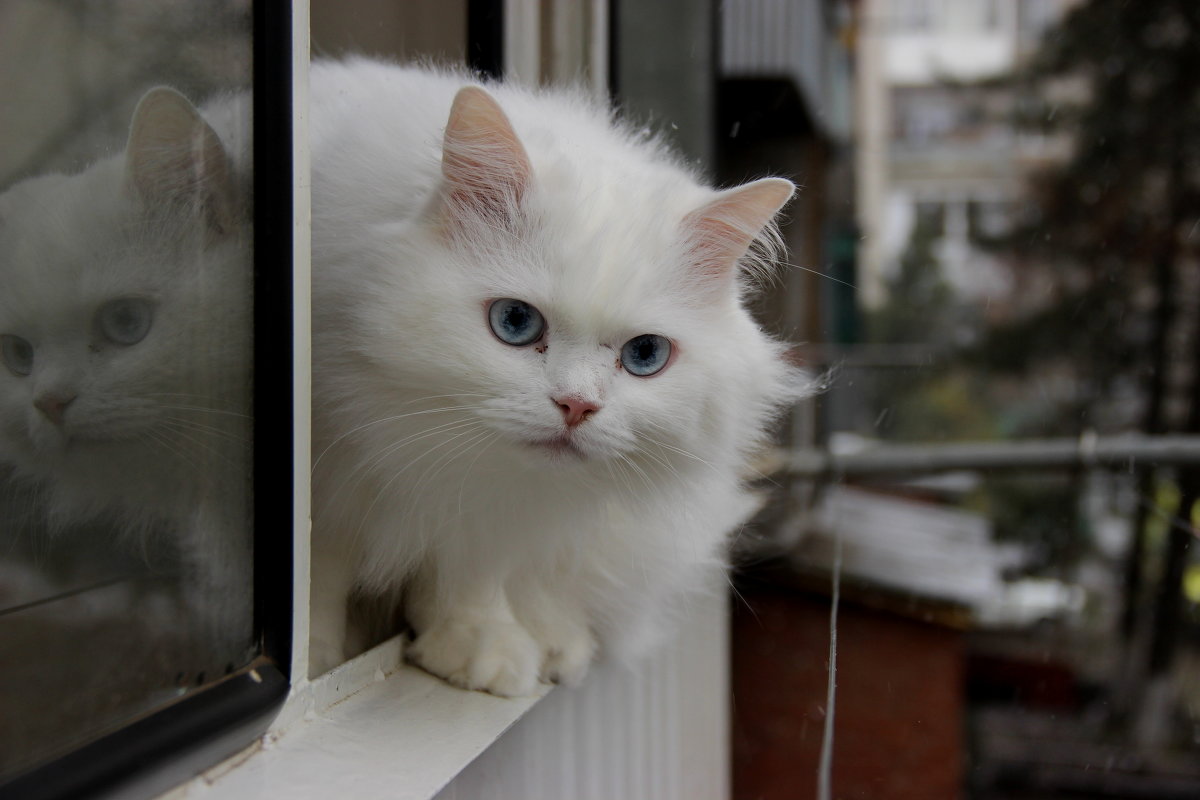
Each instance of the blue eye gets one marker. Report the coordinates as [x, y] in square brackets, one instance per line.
[125, 321]
[18, 354]
[515, 322]
[646, 355]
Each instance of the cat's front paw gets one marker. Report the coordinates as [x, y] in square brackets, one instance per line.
[567, 661]
[500, 657]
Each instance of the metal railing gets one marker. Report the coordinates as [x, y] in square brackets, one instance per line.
[1124, 451]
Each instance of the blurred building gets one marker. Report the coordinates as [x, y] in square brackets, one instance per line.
[785, 106]
[937, 138]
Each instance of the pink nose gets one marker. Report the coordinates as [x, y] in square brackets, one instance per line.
[53, 406]
[575, 409]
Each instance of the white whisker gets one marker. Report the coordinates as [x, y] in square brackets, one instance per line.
[366, 467]
[383, 420]
[383, 489]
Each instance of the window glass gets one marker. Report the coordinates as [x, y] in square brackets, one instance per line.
[126, 577]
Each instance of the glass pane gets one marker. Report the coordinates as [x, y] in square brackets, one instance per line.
[125, 363]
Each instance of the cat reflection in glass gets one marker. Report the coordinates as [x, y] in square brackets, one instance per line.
[537, 390]
[125, 349]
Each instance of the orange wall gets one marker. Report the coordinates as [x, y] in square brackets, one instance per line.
[899, 722]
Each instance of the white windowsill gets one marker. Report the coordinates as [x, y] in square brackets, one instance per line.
[374, 727]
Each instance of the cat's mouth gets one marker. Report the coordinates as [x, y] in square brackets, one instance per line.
[559, 446]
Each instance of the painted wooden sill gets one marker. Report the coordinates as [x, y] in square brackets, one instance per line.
[374, 727]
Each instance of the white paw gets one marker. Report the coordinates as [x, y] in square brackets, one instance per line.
[567, 661]
[500, 657]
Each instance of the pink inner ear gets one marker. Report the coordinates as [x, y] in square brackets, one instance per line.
[173, 156]
[715, 247]
[485, 167]
[720, 233]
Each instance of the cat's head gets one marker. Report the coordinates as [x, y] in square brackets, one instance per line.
[123, 304]
[584, 300]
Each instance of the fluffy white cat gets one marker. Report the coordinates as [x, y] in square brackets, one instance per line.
[536, 386]
[125, 347]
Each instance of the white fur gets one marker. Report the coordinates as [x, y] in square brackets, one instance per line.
[517, 561]
[156, 441]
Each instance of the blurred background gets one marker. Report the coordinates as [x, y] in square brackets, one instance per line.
[994, 261]
[1003, 196]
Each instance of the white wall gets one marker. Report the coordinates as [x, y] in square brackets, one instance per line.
[657, 732]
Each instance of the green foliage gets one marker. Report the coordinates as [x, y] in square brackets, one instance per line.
[938, 405]
[921, 303]
[1041, 513]
[936, 402]
[1109, 224]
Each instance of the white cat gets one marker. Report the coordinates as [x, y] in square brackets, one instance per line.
[125, 346]
[536, 389]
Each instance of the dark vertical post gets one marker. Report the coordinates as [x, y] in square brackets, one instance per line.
[485, 37]
[273, 330]
[614, 50]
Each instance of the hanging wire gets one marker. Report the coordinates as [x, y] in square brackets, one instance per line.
[825, 768]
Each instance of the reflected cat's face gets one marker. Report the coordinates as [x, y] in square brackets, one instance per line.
[110, 337]
[123, 323]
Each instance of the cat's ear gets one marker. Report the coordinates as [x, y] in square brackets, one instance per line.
[175, 160]
[718, 234]
[485, 169]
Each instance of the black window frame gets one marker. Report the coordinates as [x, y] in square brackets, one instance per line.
[168, 746]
